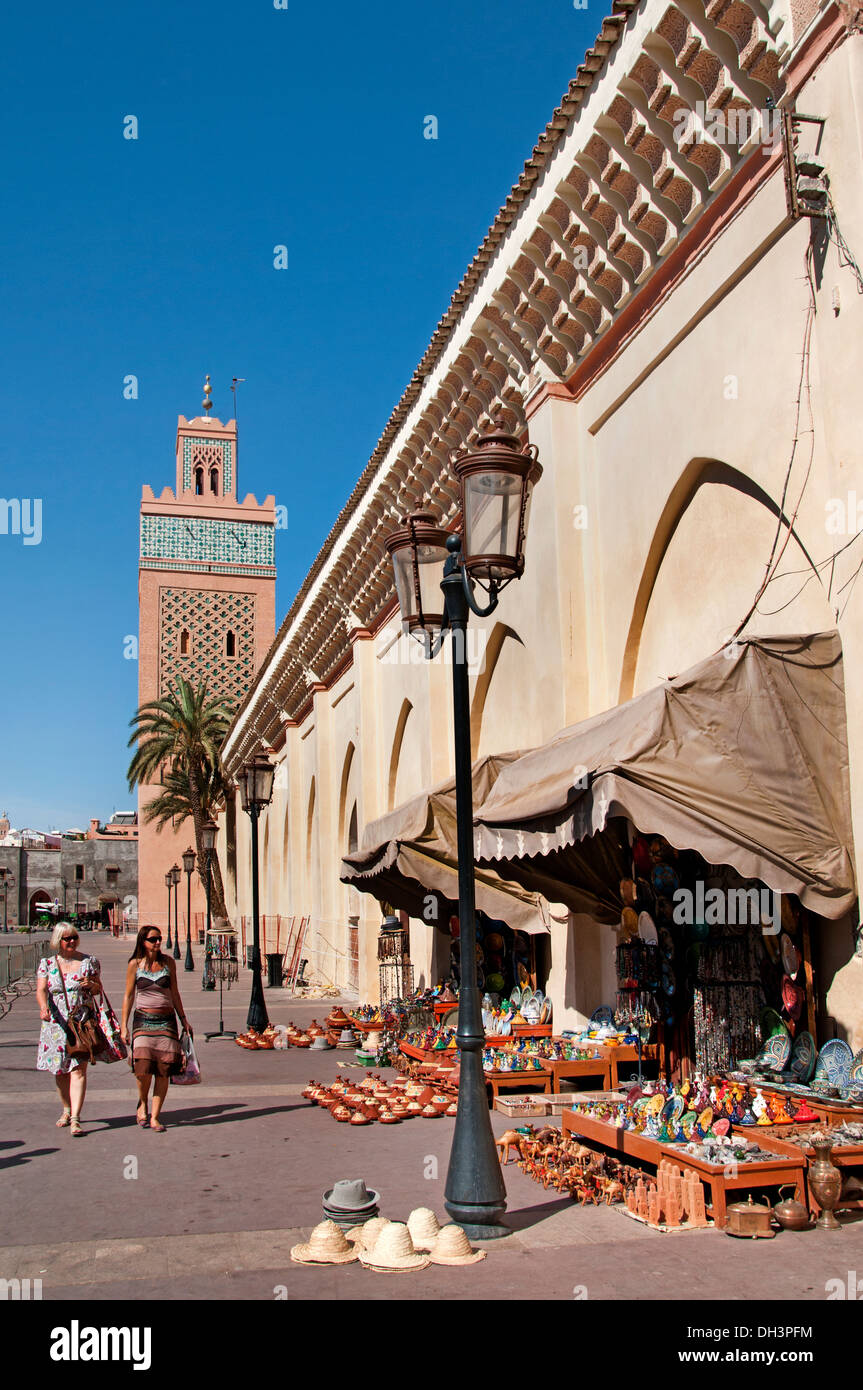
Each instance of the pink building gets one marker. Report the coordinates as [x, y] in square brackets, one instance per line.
[206, 599]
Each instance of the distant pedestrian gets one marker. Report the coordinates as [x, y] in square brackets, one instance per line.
[152, 999]
[64, 979]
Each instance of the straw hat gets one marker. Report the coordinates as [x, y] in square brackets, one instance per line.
[452, 1247]
[326, 1246]
[424, 1228]
[394, 1251]
[364, 1236]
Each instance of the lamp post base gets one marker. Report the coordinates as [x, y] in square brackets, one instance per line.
[221, 1033]
[475, 1232]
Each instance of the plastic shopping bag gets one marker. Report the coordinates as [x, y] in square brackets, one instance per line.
[191, 1073]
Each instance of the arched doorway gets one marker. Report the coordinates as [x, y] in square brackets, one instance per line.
[40, 904]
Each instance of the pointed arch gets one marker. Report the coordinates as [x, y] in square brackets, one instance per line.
[697, 473]
[398, 740]
[494, 646]
[343, 790]
[310, 823]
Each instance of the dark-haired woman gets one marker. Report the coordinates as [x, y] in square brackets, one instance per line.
[151, 982]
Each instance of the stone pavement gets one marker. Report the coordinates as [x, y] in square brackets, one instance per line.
[211, 1208]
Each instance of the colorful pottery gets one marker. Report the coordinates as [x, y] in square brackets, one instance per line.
[803, 1055]
[834, 1063]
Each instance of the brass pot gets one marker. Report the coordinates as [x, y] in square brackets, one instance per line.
[791, 1214]
[750, 1219]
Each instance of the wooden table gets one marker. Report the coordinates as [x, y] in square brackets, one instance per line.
[779, 1171]
[583, 1066]
[515, 1080]
[844, 1156]
[626, 1052]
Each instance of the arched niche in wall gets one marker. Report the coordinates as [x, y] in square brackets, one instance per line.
[491, 656]
[343, 792]
[395, 755]
[703, 569]
[286, 850]
[310, 824]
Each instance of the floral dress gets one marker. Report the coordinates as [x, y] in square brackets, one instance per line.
[52, 1055]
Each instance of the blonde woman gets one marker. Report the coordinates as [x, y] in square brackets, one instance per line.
[65, 979]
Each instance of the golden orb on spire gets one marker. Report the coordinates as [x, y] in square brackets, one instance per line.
[207, 403]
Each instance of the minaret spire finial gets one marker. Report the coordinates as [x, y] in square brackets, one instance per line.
[207, 403]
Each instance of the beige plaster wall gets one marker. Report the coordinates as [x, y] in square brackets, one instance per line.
[678, 452]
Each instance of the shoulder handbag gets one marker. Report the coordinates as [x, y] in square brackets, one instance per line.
[114, 1049]
[84, 1036]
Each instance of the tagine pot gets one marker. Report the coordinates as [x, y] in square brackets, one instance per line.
[825, 1182]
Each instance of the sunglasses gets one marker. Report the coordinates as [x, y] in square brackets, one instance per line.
[68, 938]
[152, 940]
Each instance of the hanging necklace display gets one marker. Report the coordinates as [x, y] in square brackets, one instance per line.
[222, 963]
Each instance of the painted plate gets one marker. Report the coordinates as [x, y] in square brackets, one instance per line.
[679, 1107]
[771, 1022]
[857, 1069]
[647, 928]
[776, 1052]
[803, 1055]
[688, 1123]
[602, 1015]
[666, 942]
[705, 1120]
[545, 1012]
[790, 955]
[792, 998]
[664, 880]
[669, 983]
[834, 1063]
[668, 1109]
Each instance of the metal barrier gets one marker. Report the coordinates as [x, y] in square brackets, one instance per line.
[19, 961]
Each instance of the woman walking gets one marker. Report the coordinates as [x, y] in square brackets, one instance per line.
[151, 982]
[65, 979]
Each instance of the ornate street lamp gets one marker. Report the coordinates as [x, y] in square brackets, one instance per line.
[176, 875]
[209, 831]
[255, 782]
[169, 884]
[496, 478]
[189, 869]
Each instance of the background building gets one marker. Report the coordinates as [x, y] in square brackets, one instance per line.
[92, 872]
[206, 596]
[650, 309]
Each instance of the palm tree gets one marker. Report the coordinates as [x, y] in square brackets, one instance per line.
[178, 738]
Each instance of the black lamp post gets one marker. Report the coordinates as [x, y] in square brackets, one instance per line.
[176, 875]
[169, 884]
[7, 881]
[209, 830]
[255, 782]
[495, 479]
[189, 868]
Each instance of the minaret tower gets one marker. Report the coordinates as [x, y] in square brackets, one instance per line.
[206, 604]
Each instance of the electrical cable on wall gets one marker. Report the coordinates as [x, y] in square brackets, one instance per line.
[803, 386]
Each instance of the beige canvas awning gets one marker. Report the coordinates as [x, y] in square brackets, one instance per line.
[410, 854]
[743, 758]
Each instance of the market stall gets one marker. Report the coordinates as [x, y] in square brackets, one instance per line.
[724, 794]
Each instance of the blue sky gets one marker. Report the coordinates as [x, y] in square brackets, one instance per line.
[154, 257]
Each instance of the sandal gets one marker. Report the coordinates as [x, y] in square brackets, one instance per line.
[64, 1119]
[75, 1127]
[143, 1123]
[156, 1125]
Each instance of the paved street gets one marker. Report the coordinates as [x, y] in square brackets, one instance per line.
[220, 1198]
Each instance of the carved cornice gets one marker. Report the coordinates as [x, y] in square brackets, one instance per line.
[613, 186]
